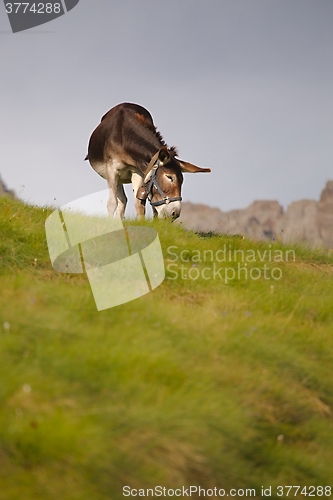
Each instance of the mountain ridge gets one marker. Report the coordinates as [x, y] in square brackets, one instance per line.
[307, 221]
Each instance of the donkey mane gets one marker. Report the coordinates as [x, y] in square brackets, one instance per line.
[172, 149]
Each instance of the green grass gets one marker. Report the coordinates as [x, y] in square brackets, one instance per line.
[200, 382]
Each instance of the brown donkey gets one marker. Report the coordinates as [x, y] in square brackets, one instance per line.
[127, 148]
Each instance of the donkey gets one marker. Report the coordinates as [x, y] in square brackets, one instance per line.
[127, 148]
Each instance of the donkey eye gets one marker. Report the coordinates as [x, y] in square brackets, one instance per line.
[169, 177]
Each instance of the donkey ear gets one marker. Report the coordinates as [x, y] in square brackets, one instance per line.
[189, 167]
[164, 155]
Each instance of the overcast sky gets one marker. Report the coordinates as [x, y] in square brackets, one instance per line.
[244, 87]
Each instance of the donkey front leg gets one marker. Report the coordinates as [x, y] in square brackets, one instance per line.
[139, 205]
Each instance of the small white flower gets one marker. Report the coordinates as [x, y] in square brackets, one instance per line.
[26, 388]
[6, 326]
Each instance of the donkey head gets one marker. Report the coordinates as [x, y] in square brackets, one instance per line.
[163, 182]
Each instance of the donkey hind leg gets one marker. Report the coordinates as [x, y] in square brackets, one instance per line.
[112, 203]
[122, 201]
[139, 205]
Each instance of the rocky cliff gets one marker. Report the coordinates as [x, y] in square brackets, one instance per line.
[305, 220]
[4, 190]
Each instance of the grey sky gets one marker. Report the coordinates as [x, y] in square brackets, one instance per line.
[244, 87]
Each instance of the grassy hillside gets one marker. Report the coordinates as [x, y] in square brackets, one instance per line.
[205, 381]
